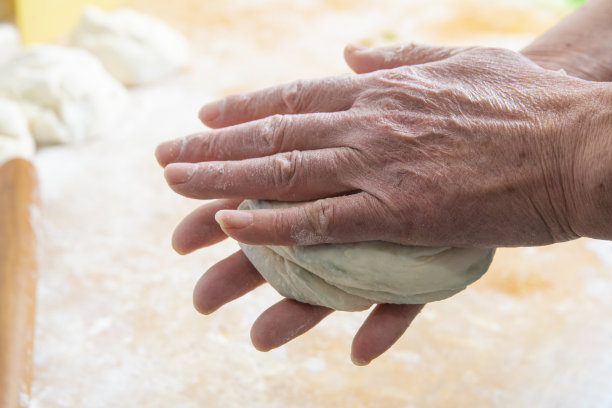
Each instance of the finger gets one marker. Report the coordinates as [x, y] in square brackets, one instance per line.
[285, 321]
[292, 176]
[225, 281]
[330, 94]
[383, 327]
[353, 218]
[364, 59]
[199, 229]
[263, 137]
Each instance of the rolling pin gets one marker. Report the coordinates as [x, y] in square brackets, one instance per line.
[19, 201]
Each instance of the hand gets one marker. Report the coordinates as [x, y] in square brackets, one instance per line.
[464, 148]
[235, 276]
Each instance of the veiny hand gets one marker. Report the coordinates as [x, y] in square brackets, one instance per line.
[468, 147]
[424, 150]
[235, 276]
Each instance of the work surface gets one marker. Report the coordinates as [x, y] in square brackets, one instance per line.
[115, 325]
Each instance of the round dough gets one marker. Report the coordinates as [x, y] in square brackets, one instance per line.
[134, 48]
[15, 138]
[65, 92]
[354, 276]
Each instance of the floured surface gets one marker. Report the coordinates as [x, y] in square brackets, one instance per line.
[115, 325]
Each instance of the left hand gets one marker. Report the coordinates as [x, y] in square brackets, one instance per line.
[235, 276]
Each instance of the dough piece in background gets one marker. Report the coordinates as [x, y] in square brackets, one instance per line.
[15, 138]
[134, 47]
[355, 276]
[10, 42]
[65, 93]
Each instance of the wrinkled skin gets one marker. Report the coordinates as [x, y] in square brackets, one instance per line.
[462, 151]
[436, 146]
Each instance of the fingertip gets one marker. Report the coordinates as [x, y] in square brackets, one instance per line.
[359, 361]
[353, 47]
[203, 309]
[209, 113]
[168, 152]
[201, 302]
[358, 58]
[180, 247]
[233, 219]
[179, 173]
[259, 344]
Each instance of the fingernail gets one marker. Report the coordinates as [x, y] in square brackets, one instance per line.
[355, 47]
[209, 112]
[168, 152]
[233, 219]
[359, 362]
[179, 173]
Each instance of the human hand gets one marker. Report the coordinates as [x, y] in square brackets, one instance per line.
[462, 149]
[288, 319]
[235, 276]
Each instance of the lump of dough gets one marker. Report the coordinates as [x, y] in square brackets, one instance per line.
[134, 48]
[9, 42]
[66, 93]
[15, 138]
[354, 276]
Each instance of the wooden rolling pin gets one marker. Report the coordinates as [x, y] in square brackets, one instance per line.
[18, 272]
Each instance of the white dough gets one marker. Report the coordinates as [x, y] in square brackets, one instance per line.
[66, 93]
[10, 42]
[354, 276]
[135, 48]
[15, 138]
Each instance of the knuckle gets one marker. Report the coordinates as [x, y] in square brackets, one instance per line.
[212, 146]
[273, 132]
[319, 217]
[284, 169]
[293, 96]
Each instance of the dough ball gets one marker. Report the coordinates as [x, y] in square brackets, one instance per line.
[15, 138]
[134, 48]
[10, 42]
[66, 93]
[355, 276]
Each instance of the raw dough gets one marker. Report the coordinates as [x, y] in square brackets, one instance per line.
[134, 48]
[9, 42]
[15, 138]
[65, 93]
[354, 276]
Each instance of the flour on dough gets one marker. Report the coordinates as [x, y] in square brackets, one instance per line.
[354, 276]
[15, 138]
[65, 93]
[135, 48]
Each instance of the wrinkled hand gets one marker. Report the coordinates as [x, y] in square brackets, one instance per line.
[461, 148]
[464, 149]
[235, 276]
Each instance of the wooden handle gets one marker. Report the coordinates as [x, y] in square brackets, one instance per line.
[18, 272]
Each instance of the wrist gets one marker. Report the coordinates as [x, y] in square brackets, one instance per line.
[593, 168]
[573, 62]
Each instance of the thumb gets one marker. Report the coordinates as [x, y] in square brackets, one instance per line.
[365, 59]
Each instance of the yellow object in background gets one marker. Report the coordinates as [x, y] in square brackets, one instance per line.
[45, 20]
[6, 9]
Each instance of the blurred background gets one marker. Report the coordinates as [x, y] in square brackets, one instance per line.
[115, 326]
